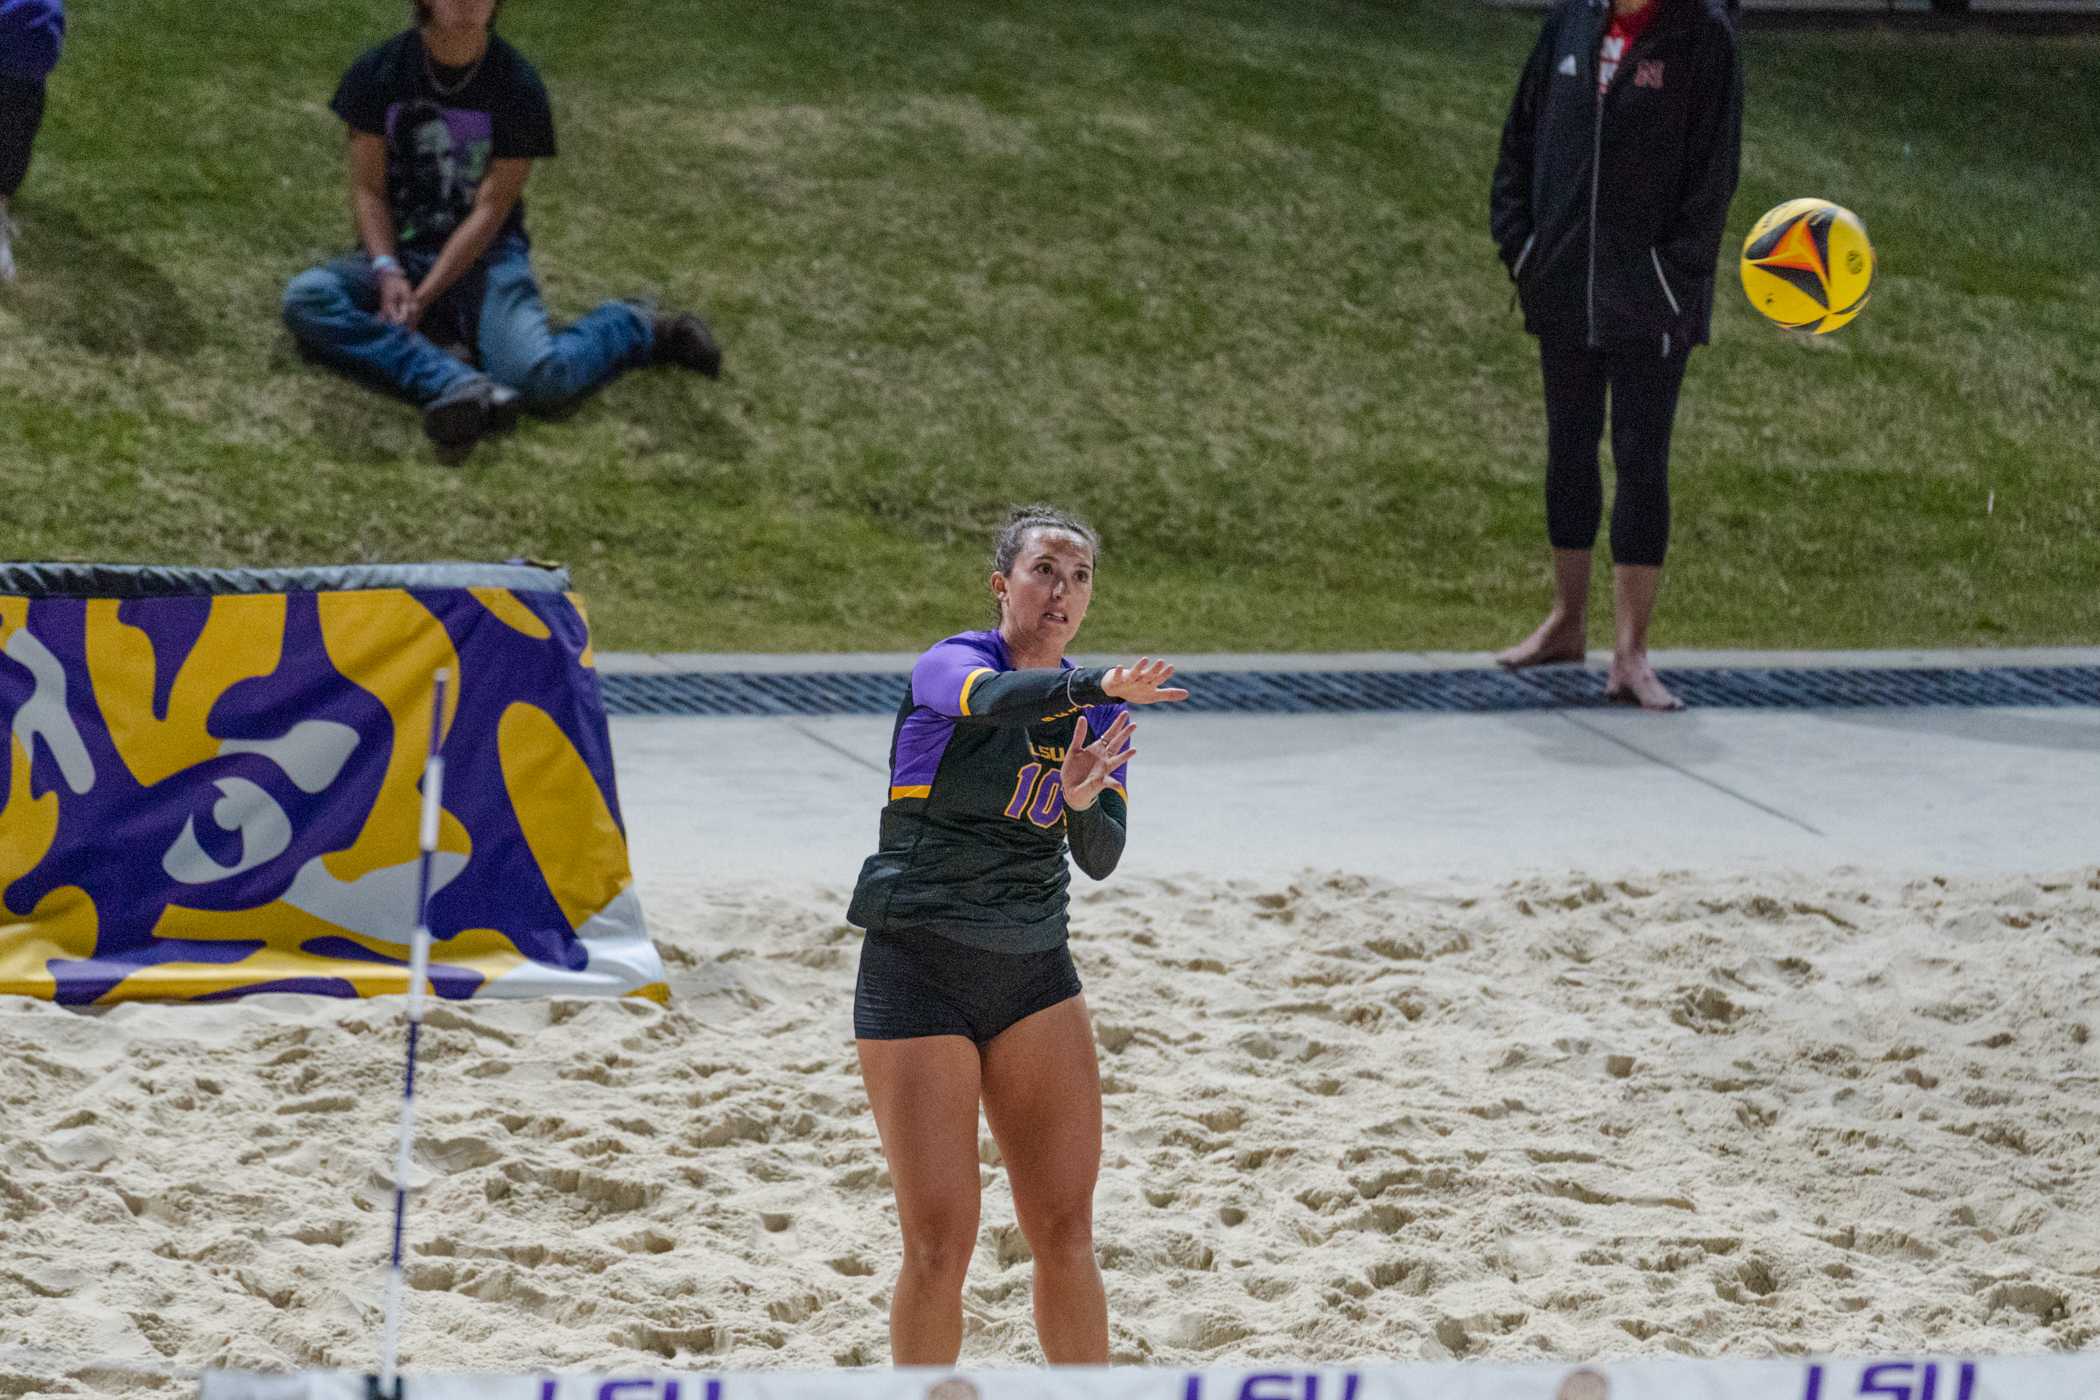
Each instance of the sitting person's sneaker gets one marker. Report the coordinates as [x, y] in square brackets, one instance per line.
[505, 407]
[686, 340]
[459, 417]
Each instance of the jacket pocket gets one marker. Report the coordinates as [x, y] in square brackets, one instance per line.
[1516, 272]
[1628, 297]
[1663, 278]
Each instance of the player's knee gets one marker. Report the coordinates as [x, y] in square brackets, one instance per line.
[939, 1256]
[1060, 1232]
[938, 1250]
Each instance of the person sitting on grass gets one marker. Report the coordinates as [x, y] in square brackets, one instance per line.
[445, 122]
[31, 32]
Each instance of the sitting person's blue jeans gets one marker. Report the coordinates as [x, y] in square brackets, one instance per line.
[333, 310]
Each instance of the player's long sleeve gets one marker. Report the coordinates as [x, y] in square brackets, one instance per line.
[1097, 834]
[954, 681]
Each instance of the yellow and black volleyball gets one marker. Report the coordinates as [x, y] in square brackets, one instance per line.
[1808, 265]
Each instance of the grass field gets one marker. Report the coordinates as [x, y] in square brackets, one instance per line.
[1214, 272]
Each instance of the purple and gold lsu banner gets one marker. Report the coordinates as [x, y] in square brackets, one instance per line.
[212, 785]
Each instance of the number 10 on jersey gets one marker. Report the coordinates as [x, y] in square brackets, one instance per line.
[1038, 796]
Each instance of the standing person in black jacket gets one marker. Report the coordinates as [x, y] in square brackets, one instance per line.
[1618, 162]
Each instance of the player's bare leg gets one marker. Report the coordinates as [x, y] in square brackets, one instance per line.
[1042, 1098]
[1564, 635]
[1632, 680]
[924, 1092]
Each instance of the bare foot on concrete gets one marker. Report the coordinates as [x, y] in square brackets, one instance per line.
[1558, 639]
[1635, 683]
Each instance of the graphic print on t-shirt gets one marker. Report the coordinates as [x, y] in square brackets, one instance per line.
[1608, 56]
[1619, 38]
[435, 160]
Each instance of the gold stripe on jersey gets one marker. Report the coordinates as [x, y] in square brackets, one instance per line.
[964, 703]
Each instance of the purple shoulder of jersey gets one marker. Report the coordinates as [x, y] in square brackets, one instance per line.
[941, 680]
[942, 677]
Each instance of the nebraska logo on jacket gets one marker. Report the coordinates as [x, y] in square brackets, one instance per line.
[1648, 73]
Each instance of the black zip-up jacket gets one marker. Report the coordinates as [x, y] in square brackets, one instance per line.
[1608, 211]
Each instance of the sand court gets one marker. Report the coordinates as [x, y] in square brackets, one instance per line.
[1423, 1039]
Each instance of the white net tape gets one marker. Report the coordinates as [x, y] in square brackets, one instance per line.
[2061, 1377]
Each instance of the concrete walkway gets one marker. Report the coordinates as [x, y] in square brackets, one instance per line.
[1409, 796]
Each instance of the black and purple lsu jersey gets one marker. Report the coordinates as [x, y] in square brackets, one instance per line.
[974, 836]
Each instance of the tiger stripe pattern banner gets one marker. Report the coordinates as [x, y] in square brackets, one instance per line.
[211, 786]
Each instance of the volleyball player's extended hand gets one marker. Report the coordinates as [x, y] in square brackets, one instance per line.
[1142, 684]
[1089, 767]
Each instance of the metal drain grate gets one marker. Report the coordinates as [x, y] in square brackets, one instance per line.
[1361, 692]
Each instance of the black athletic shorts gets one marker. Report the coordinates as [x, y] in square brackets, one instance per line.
[922, 984]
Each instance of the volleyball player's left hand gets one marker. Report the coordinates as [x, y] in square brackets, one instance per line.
[1144, 683]
[1089, 767]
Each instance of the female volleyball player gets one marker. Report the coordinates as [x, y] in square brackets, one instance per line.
[1005, 755]
[1618, 162]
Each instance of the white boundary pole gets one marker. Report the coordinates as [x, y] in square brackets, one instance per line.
[418, 967]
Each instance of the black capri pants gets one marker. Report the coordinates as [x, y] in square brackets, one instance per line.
[21, 113]
[1642, 386]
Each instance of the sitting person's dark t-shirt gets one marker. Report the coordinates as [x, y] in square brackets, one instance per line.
[442, 128]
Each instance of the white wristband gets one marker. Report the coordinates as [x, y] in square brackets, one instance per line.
[385, 263]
